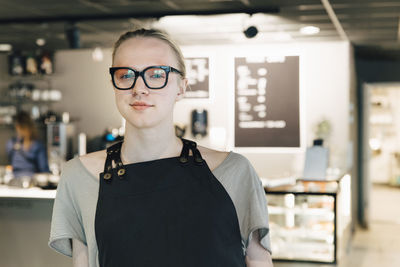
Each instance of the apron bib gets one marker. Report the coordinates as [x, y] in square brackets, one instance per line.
[170, 212]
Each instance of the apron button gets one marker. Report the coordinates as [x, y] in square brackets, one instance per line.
[198, 160]
[121, 172]
[183, 159]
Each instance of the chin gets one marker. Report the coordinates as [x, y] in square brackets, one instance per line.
[145, 119]
[142, 122]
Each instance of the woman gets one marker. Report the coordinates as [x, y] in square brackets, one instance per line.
[155, 199]
[26, 154]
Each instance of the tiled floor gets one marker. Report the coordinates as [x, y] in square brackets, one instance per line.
[379, 246]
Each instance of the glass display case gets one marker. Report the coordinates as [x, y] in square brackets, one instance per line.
[310, 221]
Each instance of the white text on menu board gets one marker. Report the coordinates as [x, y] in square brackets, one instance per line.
[197, 74]
[247, 86]
[197, 70]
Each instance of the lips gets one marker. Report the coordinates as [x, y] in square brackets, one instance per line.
[139, 105]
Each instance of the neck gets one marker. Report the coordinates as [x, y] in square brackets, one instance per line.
[149, 143]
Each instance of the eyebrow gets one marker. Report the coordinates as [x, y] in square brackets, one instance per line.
[127, 66]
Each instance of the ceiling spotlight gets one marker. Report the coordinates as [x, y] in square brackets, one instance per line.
[40, 41]
[251, 32]
[5, 47]
[309, 30]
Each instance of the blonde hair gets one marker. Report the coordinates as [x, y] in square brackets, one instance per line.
[158, 34]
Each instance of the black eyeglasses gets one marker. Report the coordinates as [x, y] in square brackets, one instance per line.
[154, 77]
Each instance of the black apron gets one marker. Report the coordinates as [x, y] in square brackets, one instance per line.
[170, 212]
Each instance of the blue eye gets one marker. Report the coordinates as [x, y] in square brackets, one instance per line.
[155, 73]
[126, 74]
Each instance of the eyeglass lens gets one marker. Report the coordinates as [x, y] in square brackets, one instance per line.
[154, 78]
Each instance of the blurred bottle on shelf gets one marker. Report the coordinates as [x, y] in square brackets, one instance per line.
[16, 64]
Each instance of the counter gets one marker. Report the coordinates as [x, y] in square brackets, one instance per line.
[25, 228]
[309, 222]
[33, 192]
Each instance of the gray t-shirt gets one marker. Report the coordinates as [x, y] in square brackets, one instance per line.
[75, 204]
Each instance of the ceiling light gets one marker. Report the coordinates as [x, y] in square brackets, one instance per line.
[5, 47]
[40, 41]
[97, 54]
[309, 30]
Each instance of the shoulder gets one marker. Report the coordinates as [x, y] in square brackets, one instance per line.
[213, 157]
[94, 162]
[225, 160]
[236, 169]
[91, 163]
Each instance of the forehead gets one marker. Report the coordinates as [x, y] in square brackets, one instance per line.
[141, 52]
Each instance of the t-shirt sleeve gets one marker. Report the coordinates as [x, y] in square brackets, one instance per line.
[66, 222]
[247, 193]
[256, 211]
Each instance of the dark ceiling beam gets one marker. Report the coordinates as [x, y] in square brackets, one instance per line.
[247, 10]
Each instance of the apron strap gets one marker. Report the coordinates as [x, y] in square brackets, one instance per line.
[184, 157]
[116, 156]
[113, 154]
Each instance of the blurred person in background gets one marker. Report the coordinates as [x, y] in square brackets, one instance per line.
[26, 153]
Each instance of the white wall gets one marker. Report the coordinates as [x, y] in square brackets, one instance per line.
[87, 90]
[325, 93]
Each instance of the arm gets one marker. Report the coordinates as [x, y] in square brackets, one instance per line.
[67, 223]
[257, 256]
[80, 255]
[42, 162]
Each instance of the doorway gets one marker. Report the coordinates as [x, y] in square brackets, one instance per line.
[381, 156]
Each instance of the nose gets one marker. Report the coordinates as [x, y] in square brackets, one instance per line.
[140, 87]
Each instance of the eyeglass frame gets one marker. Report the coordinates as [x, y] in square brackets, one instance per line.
[167, 70]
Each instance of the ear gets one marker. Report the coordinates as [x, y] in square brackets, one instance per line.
[182, 89]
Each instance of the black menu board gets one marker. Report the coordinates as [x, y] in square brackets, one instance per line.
[267, 102]
[197, 70]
